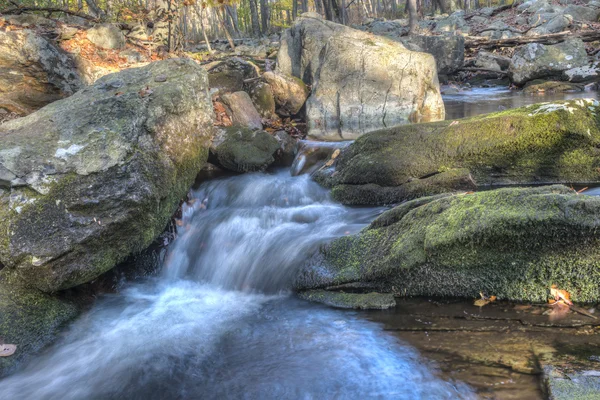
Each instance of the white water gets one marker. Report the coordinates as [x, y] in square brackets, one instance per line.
[220, 323]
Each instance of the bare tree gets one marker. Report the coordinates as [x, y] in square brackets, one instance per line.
[412, 15]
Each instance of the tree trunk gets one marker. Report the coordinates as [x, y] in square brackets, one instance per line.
[254, 18]
[203, 29]
[264, 16]
[223, 15]
[412, 15]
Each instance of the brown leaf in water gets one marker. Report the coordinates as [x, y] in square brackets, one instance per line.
[559, 311]
[484, 300]
[7, 350]
[559, 294]
[522, 307]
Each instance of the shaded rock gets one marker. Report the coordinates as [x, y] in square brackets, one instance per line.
[491, 61]
[263, 100]
[132, 56]
[290, 92]
[357, 87]
[514, 243]
[31, 320]
[540, 143]
[33, 72]
[241, 110]
[257, 51]
[448, 50]
[559, 23]
[228, 76]
[454, 23]
[106, 36]
[244, 150]
[90, 179]
[535, 60]
[288, 148]
[582, 13]
[360, 301]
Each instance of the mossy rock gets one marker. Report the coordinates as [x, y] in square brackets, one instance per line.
[30, 319]
[244, 150]
[88, 180]
[359, 301]
[542, 143]
[513, 243]
[539, 86]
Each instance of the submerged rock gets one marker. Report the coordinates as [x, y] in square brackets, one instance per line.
[241, 149]
[512, 243]
[360, 82]
[90, 179]
[540, 143]
[361, 301]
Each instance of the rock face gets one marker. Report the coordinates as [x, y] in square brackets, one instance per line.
[541, 143]
[290, 92]
[244, 150]
[106, 36]
[263, 100]
[360, 82]
[90, 179]
[535, 60]
[448, 50]
[512, 243]
[33, 72]
[241, 110]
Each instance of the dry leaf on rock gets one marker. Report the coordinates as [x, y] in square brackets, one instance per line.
[7, 349]
[484, 300]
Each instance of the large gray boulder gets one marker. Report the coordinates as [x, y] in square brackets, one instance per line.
[240, 149]
[33, 71]
[88, 180]
[535, 60]
[582, 13]
[290, 93]
[360, 82]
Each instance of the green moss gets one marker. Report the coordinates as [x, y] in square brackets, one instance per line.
[512, 243]
[543, 143]
[362, 301]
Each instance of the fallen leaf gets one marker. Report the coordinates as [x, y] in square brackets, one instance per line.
[454, 123]
[522, 307]
[484, 300]
[559, 311]
[335, 154]
[559, 294]
[7, 350]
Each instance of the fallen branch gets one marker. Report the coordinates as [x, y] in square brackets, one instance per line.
[552, 38]
[20, 10]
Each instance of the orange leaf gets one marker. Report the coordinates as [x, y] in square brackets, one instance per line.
[559, 294]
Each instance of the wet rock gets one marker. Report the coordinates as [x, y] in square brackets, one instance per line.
[540, 143]
[360, 301]
[31, 320]
[244, 150]
[33, 72]
[241, 110]
[552, 86]
[106, 36]
[535, 60]
[90, 179]
[288, 148]
[356, 79]
[448, 50]
[514, 243]
[290, 92]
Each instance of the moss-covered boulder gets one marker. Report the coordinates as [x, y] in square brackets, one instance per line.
[90, 179]
[513, 243]
[240, 149]
[541, 143]
[358, 301]
[30, 319]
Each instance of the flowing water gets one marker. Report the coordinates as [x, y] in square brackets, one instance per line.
[220, 323]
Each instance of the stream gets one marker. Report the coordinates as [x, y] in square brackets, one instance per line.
[220, 320]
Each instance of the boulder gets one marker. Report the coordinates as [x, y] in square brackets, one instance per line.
[360, 82]
[244, 150]
[535, 60]
[582, 13]
[229, 75]
[448, 50]
[491, 61]
[513, 243]
[290, 92]
[288, 148]
[541, 143]
[559, 23]
[33, 71]
[263, 100]
[357, 301]
[241, 110]
[106, 36]
[90, 179]
[454, 23]
[583, 74]
[539, 86]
